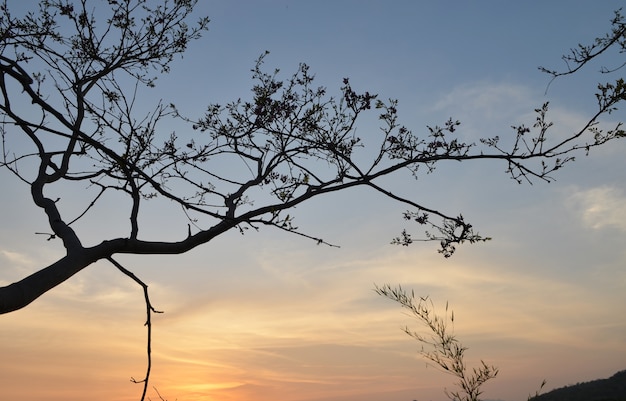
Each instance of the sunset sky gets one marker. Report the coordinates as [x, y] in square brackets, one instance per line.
[268, 316]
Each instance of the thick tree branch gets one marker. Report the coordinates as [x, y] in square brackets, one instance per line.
[21, 293]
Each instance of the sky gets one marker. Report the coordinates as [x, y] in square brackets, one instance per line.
[268, 316]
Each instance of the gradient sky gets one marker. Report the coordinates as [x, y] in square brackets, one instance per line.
[267, 316]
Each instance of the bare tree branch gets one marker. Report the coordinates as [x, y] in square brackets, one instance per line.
[249, 163]
[149, 311]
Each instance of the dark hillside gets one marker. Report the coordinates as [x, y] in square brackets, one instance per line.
[611, 389]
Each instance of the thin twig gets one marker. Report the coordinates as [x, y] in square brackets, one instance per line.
[149, 310]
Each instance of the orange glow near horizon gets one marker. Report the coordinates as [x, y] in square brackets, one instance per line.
[332, 352]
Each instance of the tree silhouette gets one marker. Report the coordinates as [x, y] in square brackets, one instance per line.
[70, 78]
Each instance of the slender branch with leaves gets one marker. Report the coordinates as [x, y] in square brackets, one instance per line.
[440, 347]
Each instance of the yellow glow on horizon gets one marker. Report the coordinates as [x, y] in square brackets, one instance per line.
[208, 386]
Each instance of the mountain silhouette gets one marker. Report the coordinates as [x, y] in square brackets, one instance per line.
[611, 389]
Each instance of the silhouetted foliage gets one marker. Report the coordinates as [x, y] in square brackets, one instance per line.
[440, 346]
[583, 54]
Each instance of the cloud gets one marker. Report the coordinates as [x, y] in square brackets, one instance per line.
[486, 109]
[16, 265]
[15, 258]
[18, 260]
[493, 101]
[600, 207]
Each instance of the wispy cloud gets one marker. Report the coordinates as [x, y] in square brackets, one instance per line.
[495, 101]
[15, 258]
[600, 207]
[15, 265]
[488, 108]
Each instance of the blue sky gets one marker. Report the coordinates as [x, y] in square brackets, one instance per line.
[269, 316]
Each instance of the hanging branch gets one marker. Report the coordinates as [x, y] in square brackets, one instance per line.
[149, 310]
